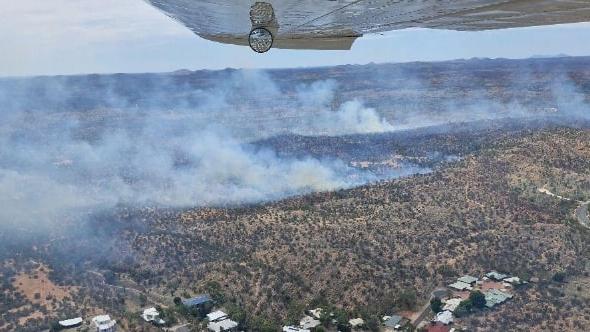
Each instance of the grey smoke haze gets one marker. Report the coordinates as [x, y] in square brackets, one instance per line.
[193, 149]
[53, 163]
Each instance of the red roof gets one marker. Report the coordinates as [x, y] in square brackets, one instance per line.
[438, 328]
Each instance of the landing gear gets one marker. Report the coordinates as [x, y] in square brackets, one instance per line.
[260, 40]
[262, 16]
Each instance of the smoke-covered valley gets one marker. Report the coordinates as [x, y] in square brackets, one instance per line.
[82, 143]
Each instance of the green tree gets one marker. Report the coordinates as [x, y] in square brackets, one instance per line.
[406, 300]
[477, 299]
[215, 291]
[54, 327]
[436, 305]
[236, 313]
[264, 324]
[341, 317]
[463, 309]
[559, 276]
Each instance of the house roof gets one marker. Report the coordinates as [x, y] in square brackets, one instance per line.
[197, 300]
[216, 315]
[467, 279]
[495, 296]
[515, 281]
[445, 317]
[317, 313]
[356, 322]
[460, 285]
[452, 304]
[151, 311]
[309, 322]
[496, 275]
[226, 324]
[103, 322]
[71, 322]
[438, 327]
[392, 321]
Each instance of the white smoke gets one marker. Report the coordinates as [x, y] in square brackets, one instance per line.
[352, 117]
[174, 158]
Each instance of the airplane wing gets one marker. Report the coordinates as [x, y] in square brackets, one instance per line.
[335, 24]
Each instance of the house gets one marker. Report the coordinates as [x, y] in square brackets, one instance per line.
[438, 327]
[452, 304]
[217, 315]
[468, 280]
[104, 323]
[197, 300]
[316, 313]
[356, 322]
[71, 323]
[294, 329]
[444, 317]
[222, 325]
[392, 322]
[494, 275]
[308, 322]
[495, 297]
[218, 322]
[151, 315]
[461, 286]
[515, 281]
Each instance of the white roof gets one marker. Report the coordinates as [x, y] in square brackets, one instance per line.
[309, 322]
[151, 314]
[71, 322]
[294, 329]
[459, 285]
[452, 304]
[151, 311]
[219, 326]
[515, 280]
[445, 317]
[216, 315]
[317, 312]
[356, 322]
[103, 322]
[467, 279]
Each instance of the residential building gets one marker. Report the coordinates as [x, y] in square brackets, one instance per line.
[438, 327]
[452, 304]
[197, 300]
[392, 322]
[71, 323]
[308, 322]
[104, 323]
[219, 322]
[152, 315]
[468, 280]
[461, 286]
[316, 313]
[494, 275]
[222, 325]
[495, 297]
[444, 317]
[217, 315]
[356, 322]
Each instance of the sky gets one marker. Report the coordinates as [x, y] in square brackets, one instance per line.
[53, 37]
